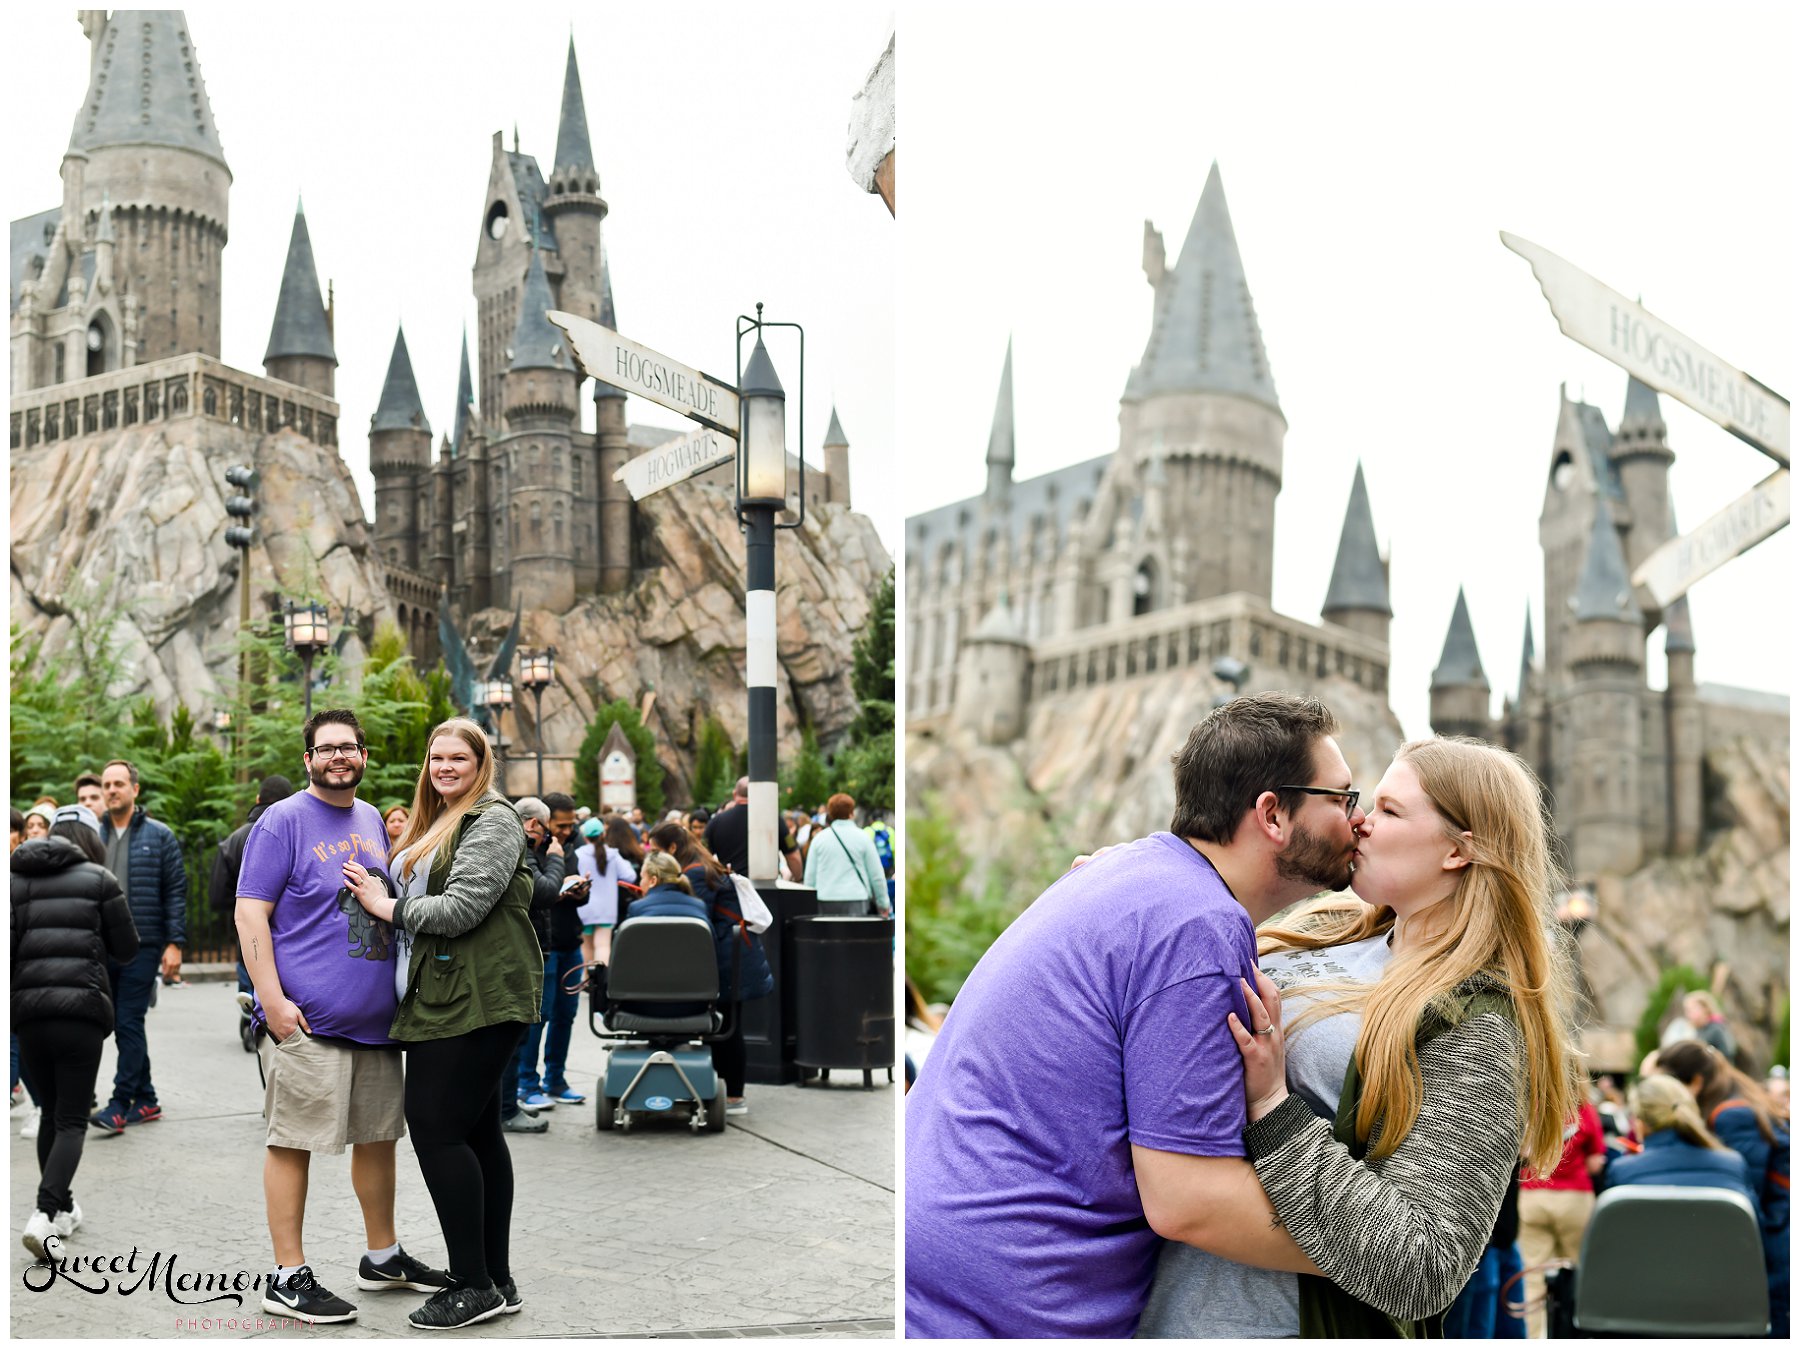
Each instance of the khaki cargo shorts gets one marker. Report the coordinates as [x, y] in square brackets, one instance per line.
[321, 1095]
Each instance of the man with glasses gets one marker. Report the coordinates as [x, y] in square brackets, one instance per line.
[1085, 1096]
[324, 976]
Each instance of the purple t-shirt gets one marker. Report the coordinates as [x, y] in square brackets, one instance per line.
[1096, 1021]
[334, 960]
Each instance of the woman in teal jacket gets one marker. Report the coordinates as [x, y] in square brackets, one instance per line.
[843, 866]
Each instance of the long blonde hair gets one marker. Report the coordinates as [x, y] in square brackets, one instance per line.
[432, 821]
[1660, 1102]
[1497, 926]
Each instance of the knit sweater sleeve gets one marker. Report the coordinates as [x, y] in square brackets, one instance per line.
[1403, 1234]
[480, 871]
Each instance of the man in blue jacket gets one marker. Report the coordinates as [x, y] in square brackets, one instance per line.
[143, 854]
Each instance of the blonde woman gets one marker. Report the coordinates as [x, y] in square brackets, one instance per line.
[472, 982]
[1422, 1045]
[1678, 1147]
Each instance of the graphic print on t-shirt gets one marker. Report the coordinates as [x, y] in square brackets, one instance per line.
[370, 938]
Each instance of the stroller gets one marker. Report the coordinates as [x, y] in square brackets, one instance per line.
[658, 998]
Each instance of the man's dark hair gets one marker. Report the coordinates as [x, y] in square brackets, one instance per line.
[129, 767]
[274, 788]
[559, 801]
[1251, 745]
[87, 780]
[333, 716]
[699, 815]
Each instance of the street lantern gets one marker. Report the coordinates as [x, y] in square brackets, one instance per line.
[537, 671]
[497, 694]
[764, 404]
[241, 506]
[308, 631]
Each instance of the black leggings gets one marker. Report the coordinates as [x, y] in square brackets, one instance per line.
[728, 1054]
[453, 1111]
[63, 1060]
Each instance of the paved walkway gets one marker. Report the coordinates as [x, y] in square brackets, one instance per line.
[781, 1226]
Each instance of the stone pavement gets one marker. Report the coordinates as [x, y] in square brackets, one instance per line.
[784, 1225]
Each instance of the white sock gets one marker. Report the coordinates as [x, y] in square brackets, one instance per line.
[285, 1272]
[384, 1254]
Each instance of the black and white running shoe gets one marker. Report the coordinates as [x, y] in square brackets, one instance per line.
[509, 1291]
[400, 1270]
[457, 1307]
[304, 1298]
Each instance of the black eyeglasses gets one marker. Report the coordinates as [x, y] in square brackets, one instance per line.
[326, 753]
[1348, 793]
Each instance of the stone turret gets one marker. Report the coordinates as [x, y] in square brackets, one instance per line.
[1000, 442]
[1459, 687]
[618, 513]
[1203, 395]
[1604, 714]
[1357, 597]
[573, 205]
[837, 461]
[542, 415]
[1686, 745]
[1641, 456]
[300, 347]
[991, 672]
[399, 454]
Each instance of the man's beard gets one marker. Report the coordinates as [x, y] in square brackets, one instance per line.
[316, 776]
[1314, 860]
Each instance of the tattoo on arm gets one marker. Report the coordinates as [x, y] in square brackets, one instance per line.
[256, 948]
[1275, 1220]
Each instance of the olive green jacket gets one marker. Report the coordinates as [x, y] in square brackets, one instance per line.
[475, 957]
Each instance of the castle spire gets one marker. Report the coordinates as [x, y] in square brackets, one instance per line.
[1358, 578]
[834, 434]
[1529, 654]
[572, 148]
[1460, 662]
[1000, 438]
[299, 328]
[400, 408]
[1604, 590]
[145, 87]
[536, 344]
[1641, 404]
[1205, 337]
[465, 400]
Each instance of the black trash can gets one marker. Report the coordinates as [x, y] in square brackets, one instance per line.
[844, 995]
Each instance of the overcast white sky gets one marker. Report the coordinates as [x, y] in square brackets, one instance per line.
[1370, 156]
[718, 130]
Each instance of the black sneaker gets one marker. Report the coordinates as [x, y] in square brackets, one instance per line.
[400, 1270]
[510, 1292]
[457, 1307]
[305, 1299]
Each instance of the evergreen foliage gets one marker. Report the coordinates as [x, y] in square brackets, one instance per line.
[643, 741]
[864, 766]
[806, 782]
[397, 708]
[715, 764]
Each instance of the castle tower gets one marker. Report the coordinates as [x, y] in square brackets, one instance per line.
[1581, 469]
[1203, 395]
[399, 454]
[837, 461]
[1603, 712]
[145, 138]
[542, 414]
[1000, 443]
[1641, 456]
[1682, 715]
[300, 346]
[573, 204]
[990, 678]
[1459, 687]
[513, 223]
[1357, 597]
[618, 512]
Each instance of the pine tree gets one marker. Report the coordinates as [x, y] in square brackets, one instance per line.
[864, 767]
[643, 742]
[715, 764]
[806, 782]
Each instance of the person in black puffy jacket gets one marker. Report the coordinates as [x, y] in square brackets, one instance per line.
[68, 916]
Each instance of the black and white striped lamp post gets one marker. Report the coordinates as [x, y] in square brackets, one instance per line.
[762, 494]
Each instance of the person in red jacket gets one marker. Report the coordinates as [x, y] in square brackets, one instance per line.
[1554, 1210]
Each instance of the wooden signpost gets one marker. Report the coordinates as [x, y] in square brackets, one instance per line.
[1630, 336]
[624, 364]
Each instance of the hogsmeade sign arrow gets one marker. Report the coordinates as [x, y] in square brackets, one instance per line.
[1630, 336]
[622, 363]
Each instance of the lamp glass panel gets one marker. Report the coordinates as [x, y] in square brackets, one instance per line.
[765, 450]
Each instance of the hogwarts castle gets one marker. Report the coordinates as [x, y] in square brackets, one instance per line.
[115, 335]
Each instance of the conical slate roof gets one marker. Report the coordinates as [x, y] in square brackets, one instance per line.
[300, 328]
[1205, 338]
[465, 399]
[1641, 403]
[145, 88]
[608, 319]
[536, 343]
[400, 408]
[1678, 627]
[1529, 655]
[1000, 436]
[834, 434]
[1358, 580]
[1460, 663]
[1604, 590]
[572, 148]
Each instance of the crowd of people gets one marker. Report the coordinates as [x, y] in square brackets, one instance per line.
[415, 969]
